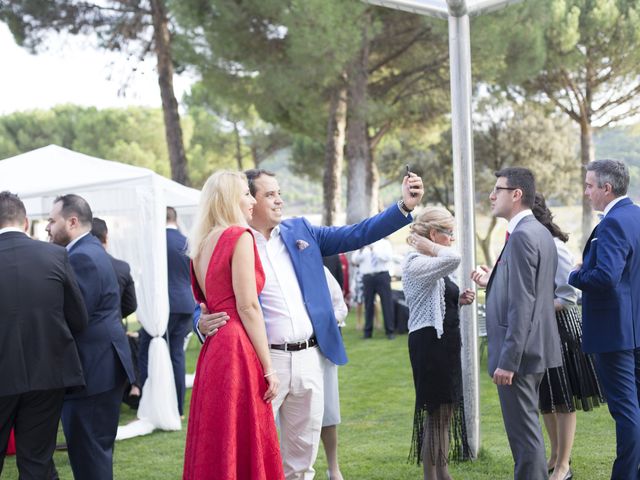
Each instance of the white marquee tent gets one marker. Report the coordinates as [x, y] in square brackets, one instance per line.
[132, 200]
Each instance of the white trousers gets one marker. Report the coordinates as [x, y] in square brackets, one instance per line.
[298, 409]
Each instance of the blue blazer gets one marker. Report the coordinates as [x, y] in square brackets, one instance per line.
[179, 274]
[297, 233]
[610, 282]
[103, 346]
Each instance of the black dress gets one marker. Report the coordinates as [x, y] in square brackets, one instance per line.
[437, 377]
[574, 385]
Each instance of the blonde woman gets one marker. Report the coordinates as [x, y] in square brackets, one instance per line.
[434, 341]
[231, 433]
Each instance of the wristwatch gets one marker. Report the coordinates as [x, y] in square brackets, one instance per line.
[403, 207]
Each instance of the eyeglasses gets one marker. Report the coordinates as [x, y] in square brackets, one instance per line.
[444, 231]
[497, 189]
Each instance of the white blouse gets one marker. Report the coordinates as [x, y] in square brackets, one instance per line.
[423, 285]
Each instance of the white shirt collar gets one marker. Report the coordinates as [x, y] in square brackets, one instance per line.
[73, 242]
[274, 233]
[513, 223]
[611, 204]
[11, 229]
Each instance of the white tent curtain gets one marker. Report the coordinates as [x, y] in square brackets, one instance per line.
[133, 202]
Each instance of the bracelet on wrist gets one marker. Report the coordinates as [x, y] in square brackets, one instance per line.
[270, 373]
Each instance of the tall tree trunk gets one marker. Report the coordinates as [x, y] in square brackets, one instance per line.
[334, 153]
[587, 154]
[173, 130]
[358, 150]
[236, 136]
[374, 186]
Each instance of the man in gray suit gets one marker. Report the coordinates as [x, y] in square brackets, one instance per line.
[522, 332]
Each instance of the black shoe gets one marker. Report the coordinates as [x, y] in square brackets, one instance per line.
[391, 336]
[568, 476]
[366, 337]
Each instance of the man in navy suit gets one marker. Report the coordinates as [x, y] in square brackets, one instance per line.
[128, 303]
[181, 307]
[297, 307]
[90, 417]
[609, 278]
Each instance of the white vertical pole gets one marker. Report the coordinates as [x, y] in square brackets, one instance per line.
[462, 139]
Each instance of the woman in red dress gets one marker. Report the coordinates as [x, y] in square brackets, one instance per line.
[231, 433]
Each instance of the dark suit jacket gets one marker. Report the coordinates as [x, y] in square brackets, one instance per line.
[610, 282]
[179, 275]
[40, 307]
[522, 331]
[103, 346]
[128, 300]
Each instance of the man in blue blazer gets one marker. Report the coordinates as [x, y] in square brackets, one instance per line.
[609, 278]
[297, 307]
[90, 417]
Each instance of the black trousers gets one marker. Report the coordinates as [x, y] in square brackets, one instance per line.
[379, 283]
[34, 416]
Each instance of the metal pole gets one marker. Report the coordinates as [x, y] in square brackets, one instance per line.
[462, 139]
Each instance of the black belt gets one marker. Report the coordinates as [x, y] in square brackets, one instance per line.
[296, 346]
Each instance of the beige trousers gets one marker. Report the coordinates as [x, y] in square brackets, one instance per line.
[298, 409]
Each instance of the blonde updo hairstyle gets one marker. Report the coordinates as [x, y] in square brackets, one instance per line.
[432, 218]
[219, 207]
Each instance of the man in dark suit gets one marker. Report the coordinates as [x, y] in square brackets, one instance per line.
[522, 332]
[181, 307]
[128, 305]
[609, 278]
[40, 307]
[128, 300]
[90, 418]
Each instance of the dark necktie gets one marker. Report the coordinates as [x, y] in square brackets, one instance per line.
[506, 237]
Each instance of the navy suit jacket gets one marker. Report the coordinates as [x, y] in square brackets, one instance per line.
[610, 282]
[179, 274]
[103, 346]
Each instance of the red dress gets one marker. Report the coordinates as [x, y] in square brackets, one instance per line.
[231, 433]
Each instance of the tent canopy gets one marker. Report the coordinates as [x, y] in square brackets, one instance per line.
[51, 170]
[133, 201]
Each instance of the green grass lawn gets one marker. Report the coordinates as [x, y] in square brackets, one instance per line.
[376, 392]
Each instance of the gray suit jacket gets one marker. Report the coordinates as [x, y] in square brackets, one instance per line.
[522, 331]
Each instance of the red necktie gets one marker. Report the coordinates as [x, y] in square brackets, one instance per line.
[506, 237]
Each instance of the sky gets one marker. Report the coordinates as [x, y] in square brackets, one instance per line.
[73, 71]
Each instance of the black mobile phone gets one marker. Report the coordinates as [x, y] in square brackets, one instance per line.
[407, 174]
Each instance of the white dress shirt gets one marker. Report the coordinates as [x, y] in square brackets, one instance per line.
[11, 229]
[285, 313]
[513, 223]
[73, 242]
[611, 204]
[374, 258]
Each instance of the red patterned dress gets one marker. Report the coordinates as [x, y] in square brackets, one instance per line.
[231, 433]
